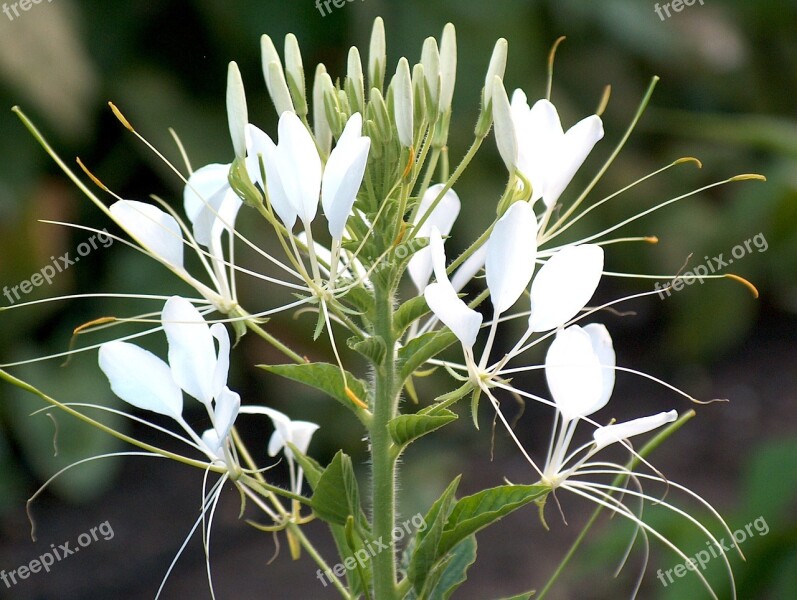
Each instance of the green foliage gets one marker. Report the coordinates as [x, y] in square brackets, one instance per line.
[324, 377]
[405, 429]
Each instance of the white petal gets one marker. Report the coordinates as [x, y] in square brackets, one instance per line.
[539, 134]
[611, 434]
[300, 166]
[604, 349]
[213, 442]
[221, 372]
[261, 147]
[468, 270]
[228, 403]
[564, 285]
[574, 373]
[451, 310]
[463, 321]
[192, 353]
[343, 175]
[443, 217]
[301, 432]
[297, 433]
[210, 203]
[140, 378]
[511, 251]
[573, 150]
[506, 133]
[155, 230]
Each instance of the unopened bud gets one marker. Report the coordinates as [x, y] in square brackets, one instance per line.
[403, 105]
[448, 67]
[430, 59]
[377, 55]
[322, 86]
[294, 74]
[505, 136]
[237, 115]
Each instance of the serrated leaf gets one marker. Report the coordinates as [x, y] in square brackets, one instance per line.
[362, 300]
[322, 376]
[337, 495]
[405, 429]
[420, 349]
[453, 572]
[427, 540]
[473, 513]
[408, 313]
[474, 406]
[319, 325]
[372, 348]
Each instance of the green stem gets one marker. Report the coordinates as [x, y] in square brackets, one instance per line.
[274, 342]
[635, 460]
[319, 560]
[383, 459]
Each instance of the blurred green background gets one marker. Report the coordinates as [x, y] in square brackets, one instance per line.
[727, 96]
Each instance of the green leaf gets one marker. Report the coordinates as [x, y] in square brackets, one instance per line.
[312, 469]
[420, 349]
[473, 513]
[337, 495]
[425, 554]
[405, 429]
[372, 348]
[452, 573]
[362, 300]
[325, 377]
[408, 313]
[474, 406]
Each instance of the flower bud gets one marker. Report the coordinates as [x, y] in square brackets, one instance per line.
[378, 113]
[403, 105]
[294, 74]
[280, 95]
[322, 86]
[448, 66]
[419, 93]
[237, 115]
[505, 136]
[355, 82]
[496, 69]
[377, 55]
[430, 59]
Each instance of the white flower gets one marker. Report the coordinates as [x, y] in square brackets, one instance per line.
[343, 175]
[564, 285]
[293, 169]
[546, 155]
[511, 251]
[211, 207]
[195, 367]
[298, 433]
[443, 300]
[295, 177]
[442, 217]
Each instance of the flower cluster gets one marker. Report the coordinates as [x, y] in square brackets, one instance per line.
[375, 159]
